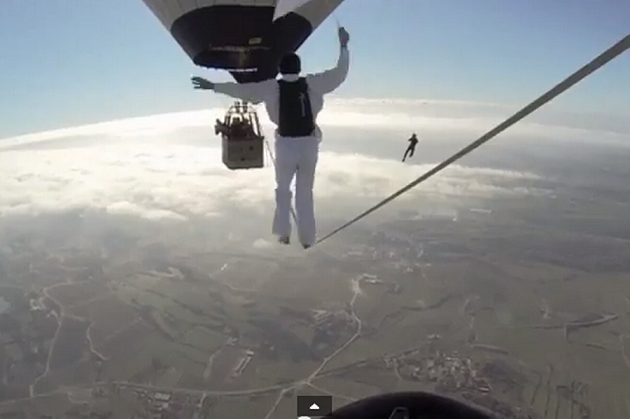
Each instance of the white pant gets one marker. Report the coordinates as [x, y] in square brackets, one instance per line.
[295, 157]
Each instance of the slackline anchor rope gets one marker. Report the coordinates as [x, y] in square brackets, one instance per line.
[598, 62]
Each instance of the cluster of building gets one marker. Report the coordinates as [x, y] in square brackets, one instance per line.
[166, 405]
[451, 373]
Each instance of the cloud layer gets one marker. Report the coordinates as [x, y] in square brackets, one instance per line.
[469, 118]
[144, 166]
[177, 182]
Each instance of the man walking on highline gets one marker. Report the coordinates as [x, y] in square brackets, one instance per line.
[293, 103]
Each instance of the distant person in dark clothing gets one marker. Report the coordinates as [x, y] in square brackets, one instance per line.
[413, 141]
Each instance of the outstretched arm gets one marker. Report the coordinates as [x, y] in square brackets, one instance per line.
[249, 92]
[329, 80]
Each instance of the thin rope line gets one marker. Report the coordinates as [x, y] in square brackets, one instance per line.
[598, 62]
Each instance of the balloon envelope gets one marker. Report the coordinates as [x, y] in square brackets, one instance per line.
[284, 7]
[240, 36]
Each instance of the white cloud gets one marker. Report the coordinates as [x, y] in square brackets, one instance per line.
[121, 168]
[420, 115]
[173, 182]
[262, 244]
[468, 118]
[153, 214]
[358, 176]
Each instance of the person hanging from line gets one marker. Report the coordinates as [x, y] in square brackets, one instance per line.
[413, 141]
[293, 103]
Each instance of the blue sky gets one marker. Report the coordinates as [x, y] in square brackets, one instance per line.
[75, 62]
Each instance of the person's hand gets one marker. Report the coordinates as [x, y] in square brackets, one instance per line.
[344, 37]
[201, 83]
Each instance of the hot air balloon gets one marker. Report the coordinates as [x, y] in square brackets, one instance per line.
[241, 36]
[247, 38]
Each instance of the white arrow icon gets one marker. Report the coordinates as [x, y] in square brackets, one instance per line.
[314, 407]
